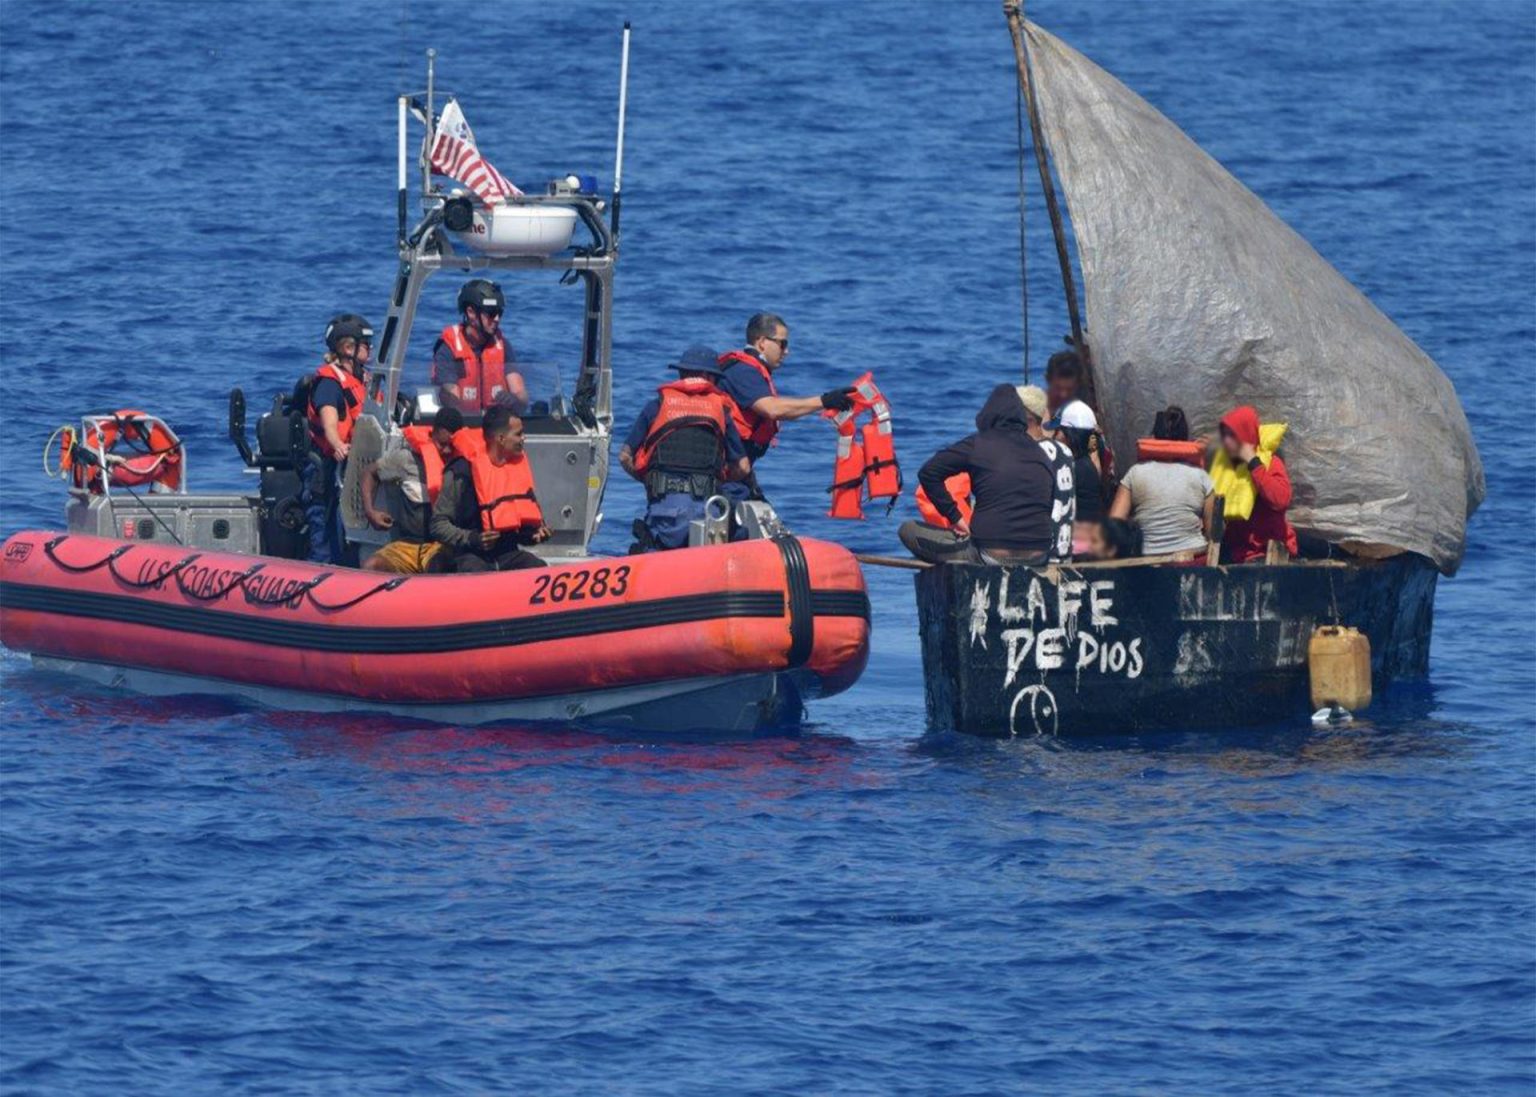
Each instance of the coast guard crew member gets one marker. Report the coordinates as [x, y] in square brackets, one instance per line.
[471, 361]
[683, 446]
[747, 378]
[332, 400]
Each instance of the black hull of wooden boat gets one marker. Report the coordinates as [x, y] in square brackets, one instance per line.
[1103, 650]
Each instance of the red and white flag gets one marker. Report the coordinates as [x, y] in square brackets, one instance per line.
[454, 154]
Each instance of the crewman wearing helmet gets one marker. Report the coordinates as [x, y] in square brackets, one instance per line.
[332, 403]
[470, 362]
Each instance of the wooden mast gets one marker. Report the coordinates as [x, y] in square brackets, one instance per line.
[1013, 9]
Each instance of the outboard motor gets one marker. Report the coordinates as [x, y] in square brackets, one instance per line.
[282, 446]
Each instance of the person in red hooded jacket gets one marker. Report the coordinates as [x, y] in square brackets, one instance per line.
[1248, 538]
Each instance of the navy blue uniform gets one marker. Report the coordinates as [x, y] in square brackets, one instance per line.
[745, 386]
[321, 479]
[667, 518]
[735, 447]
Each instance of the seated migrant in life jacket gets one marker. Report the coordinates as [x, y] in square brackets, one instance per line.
[1021, 480]
[487, 508]
[1167, 492]
[959, 488]
[400, 488]
[472, 363]
[1247, 471]
[683, 446]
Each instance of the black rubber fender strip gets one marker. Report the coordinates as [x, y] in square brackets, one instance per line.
[802, 617]
[840, 603]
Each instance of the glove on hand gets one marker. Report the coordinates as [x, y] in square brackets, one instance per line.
[838, 399]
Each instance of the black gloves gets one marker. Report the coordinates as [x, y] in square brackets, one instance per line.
[838, 399]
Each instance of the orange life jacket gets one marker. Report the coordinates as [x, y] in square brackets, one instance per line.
[485, 371]
[756, 430]
[419, 438]
[353, 393]
[882, 475]
[1179, 453]
[866, 458]
[689, 402]
[505, 493]
[847, 475]
[152, 452]
[959, 486]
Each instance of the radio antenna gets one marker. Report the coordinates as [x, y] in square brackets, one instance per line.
[618, 155]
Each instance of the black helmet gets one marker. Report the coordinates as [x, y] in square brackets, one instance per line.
[349, 325]
[480, 293]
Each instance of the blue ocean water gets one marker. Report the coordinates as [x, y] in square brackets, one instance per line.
[197, 897]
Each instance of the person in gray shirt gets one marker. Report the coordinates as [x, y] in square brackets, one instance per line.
[1171, 501]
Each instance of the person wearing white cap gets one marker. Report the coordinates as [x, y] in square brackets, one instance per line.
[1078, 428]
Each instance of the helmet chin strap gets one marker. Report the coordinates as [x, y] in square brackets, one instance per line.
[479, 327]
[352, 361]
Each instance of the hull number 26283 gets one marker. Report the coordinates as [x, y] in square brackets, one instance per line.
[579, 586]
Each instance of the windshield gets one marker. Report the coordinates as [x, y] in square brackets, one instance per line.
[541, 326]
[541, 381]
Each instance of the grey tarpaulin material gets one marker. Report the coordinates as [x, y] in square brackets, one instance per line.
[1196, 294]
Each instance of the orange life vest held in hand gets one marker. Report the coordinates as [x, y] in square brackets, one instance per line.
[505, 493]
[353, 392]
[485, 370]
[690, 402]
[847, 476]
[866, 457]
[959, 486]
[755, 430]
[1178, 453]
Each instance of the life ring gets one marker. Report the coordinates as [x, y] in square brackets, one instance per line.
[136, 449]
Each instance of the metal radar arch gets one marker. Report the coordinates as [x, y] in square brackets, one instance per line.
[455, 231]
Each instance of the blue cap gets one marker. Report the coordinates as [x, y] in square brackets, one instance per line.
[698, 359]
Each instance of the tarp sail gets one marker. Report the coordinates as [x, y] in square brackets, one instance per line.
[1197, 294]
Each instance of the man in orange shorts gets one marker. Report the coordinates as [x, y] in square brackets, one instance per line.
[400, 479]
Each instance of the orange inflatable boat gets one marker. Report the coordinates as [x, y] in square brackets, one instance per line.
[727, 637]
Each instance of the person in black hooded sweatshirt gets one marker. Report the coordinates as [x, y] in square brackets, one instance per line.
[1022, 485]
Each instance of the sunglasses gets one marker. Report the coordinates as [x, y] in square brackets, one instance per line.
[783, 343]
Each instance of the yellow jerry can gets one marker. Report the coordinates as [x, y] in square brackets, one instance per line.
[1339, 660]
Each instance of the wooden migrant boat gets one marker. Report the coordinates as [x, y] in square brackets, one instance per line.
[1195, 293]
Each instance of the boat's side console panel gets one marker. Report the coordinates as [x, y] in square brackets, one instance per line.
[569, 471]
[224, 523]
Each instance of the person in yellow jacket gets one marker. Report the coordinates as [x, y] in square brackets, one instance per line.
[1248, 471]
